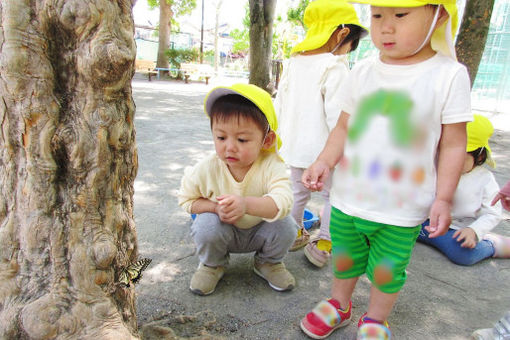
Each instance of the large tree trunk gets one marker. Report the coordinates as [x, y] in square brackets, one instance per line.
[165, 25]
[473, 34]
[261, 37]
[67, 167]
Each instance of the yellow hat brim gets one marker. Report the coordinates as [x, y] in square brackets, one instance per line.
[322, 18]
[253, 93]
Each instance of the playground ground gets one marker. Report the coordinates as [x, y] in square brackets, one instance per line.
[439, 301]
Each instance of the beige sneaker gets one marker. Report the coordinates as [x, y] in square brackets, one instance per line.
[315, 255]
[276, 275]
[205, 279]
[301, 240]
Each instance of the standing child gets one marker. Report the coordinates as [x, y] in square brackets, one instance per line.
[468, 240]
[397, 152]
[307, 105]
[241, 194]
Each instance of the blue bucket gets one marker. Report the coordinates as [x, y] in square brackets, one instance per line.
[309, 218]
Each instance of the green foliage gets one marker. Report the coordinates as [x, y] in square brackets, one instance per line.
[295, 15]
[241, 40]
[178, 56]
[179, 7]
[242, 37]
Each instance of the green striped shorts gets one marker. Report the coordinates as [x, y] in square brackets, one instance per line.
[382, 251]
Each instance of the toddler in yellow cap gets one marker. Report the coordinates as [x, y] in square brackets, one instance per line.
[240, 195]
[395, 154]
[307, 105]
[468, 239]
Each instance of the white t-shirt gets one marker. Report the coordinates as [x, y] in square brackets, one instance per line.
[388, 172]
[307, 105]
[472, 202]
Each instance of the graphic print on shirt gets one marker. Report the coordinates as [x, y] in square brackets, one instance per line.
[384, 142]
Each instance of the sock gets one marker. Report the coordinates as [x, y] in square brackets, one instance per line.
[501, 245]
[324, 245]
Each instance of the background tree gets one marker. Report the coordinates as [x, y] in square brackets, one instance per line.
[473, 34]
[168, 9]
[67, 168]
[295, 14]
[261, 36]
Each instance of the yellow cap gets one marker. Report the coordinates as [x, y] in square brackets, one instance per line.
[478, 133]
[443, 37]
[322, 17]
[253, 93]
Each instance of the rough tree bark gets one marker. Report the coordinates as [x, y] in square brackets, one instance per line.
[67, 167]
[165, 26]
[473, 34]
[261, 37]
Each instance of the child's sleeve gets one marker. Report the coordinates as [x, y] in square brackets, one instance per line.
[457, 107]
[331, 83]
[488, 216]
[189, 191]
[279, 189]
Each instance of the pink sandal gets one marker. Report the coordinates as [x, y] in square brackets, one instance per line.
[371, 329]
[325, 318]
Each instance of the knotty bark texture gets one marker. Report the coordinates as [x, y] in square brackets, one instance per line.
[261, 38]
[67, 167]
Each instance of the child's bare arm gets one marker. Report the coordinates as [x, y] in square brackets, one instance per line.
[316, 175]
[452, 150]
[232, 207]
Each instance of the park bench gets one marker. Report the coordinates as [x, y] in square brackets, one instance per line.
[197, 71]
[146, 66]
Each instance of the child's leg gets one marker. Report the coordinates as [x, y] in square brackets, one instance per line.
[381, 304]
[500, 243]
[390, 252]
[272, 240]
[342, 290]
[212, 238]
[452, 249]
[301, 194]
[326, 212]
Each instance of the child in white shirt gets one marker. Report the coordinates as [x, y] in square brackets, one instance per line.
[307, 105]
[468, 240]
[396, 154]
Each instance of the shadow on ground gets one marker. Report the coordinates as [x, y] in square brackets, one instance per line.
[440, 300]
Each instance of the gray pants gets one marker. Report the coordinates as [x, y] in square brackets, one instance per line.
[215, 240]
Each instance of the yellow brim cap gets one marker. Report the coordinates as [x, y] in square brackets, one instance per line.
[253, 93]
[479, 132]
[322, 18]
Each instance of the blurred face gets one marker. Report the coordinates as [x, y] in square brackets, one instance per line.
[238, 142]
[398, 32]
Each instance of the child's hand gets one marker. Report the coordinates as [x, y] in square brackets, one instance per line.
[467, 235]
[440, 218]
[505, 200]
[315, 176]
[230, 208]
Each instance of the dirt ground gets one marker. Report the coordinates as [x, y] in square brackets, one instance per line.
[440, 300]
